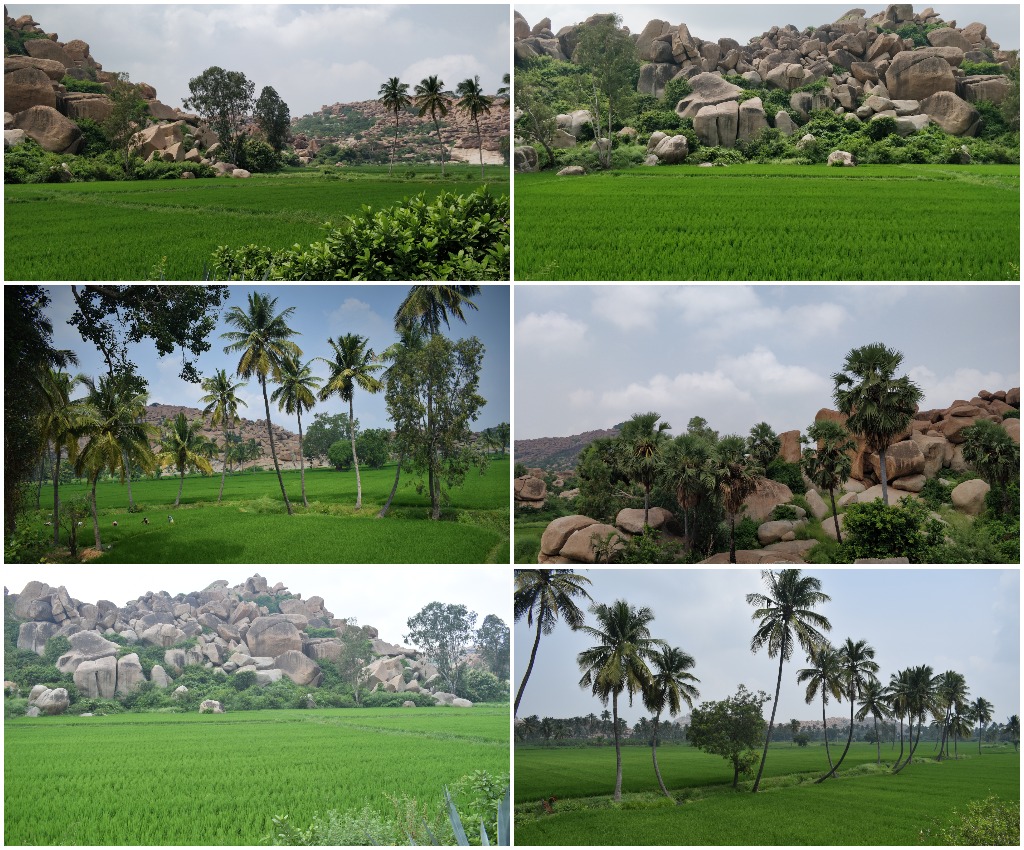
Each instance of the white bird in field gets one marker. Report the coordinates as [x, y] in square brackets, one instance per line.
[115, 523]
[170, 519]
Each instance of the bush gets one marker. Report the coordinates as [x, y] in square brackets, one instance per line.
[88, 86]
[973, 69]
[782, 512]
[55, 647]
[243, 680]
[159, 170]
[15, 707]
[880, 128]
[657, 119]
[746, 534]
[383, 699]
[675, 91]
[875, 530]
[647, 548]
[788, 474]
[716, 156]
[988, 822]
[94, 140]
[935, 494]
[259, 157]
[340, 454]
[478, 685]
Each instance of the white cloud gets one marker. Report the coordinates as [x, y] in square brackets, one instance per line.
[964, 383]
[451, 69]
[760, 372]
[549, 332]
[631, 306]
[582, 398]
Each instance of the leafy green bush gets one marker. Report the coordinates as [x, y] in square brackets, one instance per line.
[159, 170]
[478, 685]
[364, 828]
[657, 119]
[94, 140]
[973, 69]
[1011, 414]
[716, 156]
[314, 631]
[988, 822]
[88, 86]
[746, 534]
[55, 647]
[935, 494]
[259, 157]
[786, 473]
[648, 548]
[15, 707]
[675, 91]
[383, 699]
[243, 680]
[784, 512]
[879, 128]
[903, 530]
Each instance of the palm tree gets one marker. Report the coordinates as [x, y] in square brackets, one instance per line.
[394, 96]
[430, 98]
[960, 726]
[295, 395]
[1012, 729]
[353, 366]
[263, 340]
[878, 405]
[951, 692]
[737, 478]
[823, 675]
[670, 688]
[829, 464]
[857, 668]
[897, 697]
[643, 440]
[763, 444]
[222, 407]
[873, 702]
[618, 662]
[475, 103]
[785, 619]
[544, 595]
[992, 451]
[981, 712]
[690, 457]
[503, 90]
[184, 447]
[920, 699]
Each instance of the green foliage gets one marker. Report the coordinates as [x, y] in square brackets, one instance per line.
[159, 170]
[991, 821]
[55, 647]
[94, 140]
[454, 237]
[987, 539]
[443, 631]
[14, 40]
[880, 128]
[258, 157]
[382, 699]
[340, 454]
[75, 85]
[478, 685]
[784, 512]
[875, 530]
[363, 828]
[730, 729]
[243, 679]
[316, 632]
[1011, 414]
[935, 494]
[972, 69]
[746, 534]
[786, 473]
[374, 447]
[675, 91]
[716, 156]
[647, 547]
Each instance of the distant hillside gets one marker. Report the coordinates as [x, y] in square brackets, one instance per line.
[557, 453]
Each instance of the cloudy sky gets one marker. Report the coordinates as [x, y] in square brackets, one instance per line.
[589, 357]
[313, 55]
[963, 620]
[321, 311]
[383, 597]
[712, 21]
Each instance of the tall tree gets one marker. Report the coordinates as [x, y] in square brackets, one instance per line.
[671, 686]
[785, 619]
[857, 668]
[763, 444]
[878, 405]
[411, 339]
[430, 97]
[224, 100]
[828, 465]
[951, 693]
[443, 632]
[992, 451]
[394, 97]
[222, 402]
[273, 117]
[263, 340]
[618, 663]
[184, 447]
[492, 640]
[537, 121]
[354, 365]
[544, 596]
[691, 461]
[730, 729]
[897, 697]
[127, 116]
[295, 394]
[920, 700]
[823, 676]
[643, 440]
[474, 103]
[981, 713]
[1012, 728]
[873, 702]
[737, 476]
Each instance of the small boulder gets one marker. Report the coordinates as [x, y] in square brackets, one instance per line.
[210, 706]
[969, 496]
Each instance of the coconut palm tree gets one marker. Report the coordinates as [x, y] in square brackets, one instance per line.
[474, 103]
[295, 394]
[920, 700]
[981, 713]
[544, 596]
[951, 693]
[960, 726]
[897, 697]
[857, 667]
[873, 702]
[1012, 728]
[829, 464]
[430, 97]
[643, 439]
[263, 340]
[222, 402]
[354, 365]
[618, 663]
[671, 686]
[785, 619]
[394, 97]
[824, 676]
[184, 447]
[878, 405]
[737, 476]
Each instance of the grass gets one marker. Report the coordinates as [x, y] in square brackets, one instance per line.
[866, 805]
[251, 526]
[771, 222]
[121, 231]
[170, 779]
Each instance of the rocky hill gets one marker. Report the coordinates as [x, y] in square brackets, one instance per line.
[231, 630]
[557, 453]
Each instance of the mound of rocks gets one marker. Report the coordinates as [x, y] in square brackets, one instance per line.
[578, 539]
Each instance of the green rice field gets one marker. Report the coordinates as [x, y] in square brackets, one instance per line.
[864, 806]
[771, 222]
[122, 231]
[172, 779]
[251, 526]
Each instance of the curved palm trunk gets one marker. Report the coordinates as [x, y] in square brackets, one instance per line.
[979, 739]
[771, 723]
[95, 515]
[394, 489]
[529, 667]
[56, 496]
[128, 477]
[654, 756]
[224, 467]
[181, 484]
[824, 727]
[878, 741]
[945, 728]
[302, 463]
[617, 795]
[273, 449]
[846, 749]
[480, 143]
[355, 458]
[900, 756]
[913, 746]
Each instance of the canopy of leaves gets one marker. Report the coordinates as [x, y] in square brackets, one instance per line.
[443, 631]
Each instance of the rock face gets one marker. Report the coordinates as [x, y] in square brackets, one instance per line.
[530, 492]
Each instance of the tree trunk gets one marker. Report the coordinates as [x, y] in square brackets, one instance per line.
[95, 515]
[849, 740]
[529, 667]
[440, 141]
[128, 477]
[355, 458]
[878, 742]
[302, 463]
[732, 560]
[945, 727]
[913, 746]
[394, 488]
[824, 727]
[480, 143]
[881, 466]
[56, 496]
[771, 723]
[394, 145]
[899, 757]
[273, 450]
[181, 483]
[835, 516]
[617, 796]
[42, 472]
[647, 503]
[224, 467]
[654, 756]
[979, 739]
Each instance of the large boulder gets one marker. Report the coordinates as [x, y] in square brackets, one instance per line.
[717, 125]
[654, 76]
[915, 75]
[708, 90]
[95, 107]
[581, 545]
[560, 530]
[273, 635]
[33, 591]
[49, 128]
[52, 701]
[43, 48]
[953, 114]
[86, 646]
[766, 496]
[162, 634]
[97, 678]
[32, 636]
[25, 87]
[969, 496]
[525, 159]
[210, 706]
[752, 119]
[129, 673]
[902, 458]
[54, 70]
[299, 668]
[632, 519]
[672, 150]
[529, 490]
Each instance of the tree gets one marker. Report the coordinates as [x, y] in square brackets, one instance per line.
[394, 97]
[690, 461]
[353, 366]
[829, 464]
[737, 479]
[443, 632]
[643, 441]
[492, 640]
[763, 444]
[295, 394]
[430, 98]
[263, 340]
[324, 431]
[873, 702]
[608, 52]
[222, 402]
[340, 455]
[919, 699]
[618, 662]
[502, 432]
[785, 619]
[857, 667]
[374, 447]
[223, 99]
[536, 121]
[411, 338]
[992, 451]
[731, 729]
[183, 447]
[273, 117]
[127, 116]
[981, 713]
[544, 596]
[474, 103]
[823, 675]
[356, 652]
[951, 693]
[671, 686]
[877, 404]
[1012, 729]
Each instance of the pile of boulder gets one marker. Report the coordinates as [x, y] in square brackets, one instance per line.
[233, 634]
[870, 72]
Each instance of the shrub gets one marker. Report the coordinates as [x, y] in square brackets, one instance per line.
[746, 534]
[1011, 414]
[657, 119]
[383, 699]
[15, 707]
[364, 828]
[880, 128]
[314, 631]
[159, 170]
[875, 530]
[781, 512]
[259, 157]
[786, 473]
[972, 69]
[55, 647]
[716, 156]
[647, 548]
[340, 454]
[94, 140]
[675, 91]
[984, 823]
[478, 685]
[88, 86]
[243, 680]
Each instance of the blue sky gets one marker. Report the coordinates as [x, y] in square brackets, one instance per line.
[963, 620]
[321, 311]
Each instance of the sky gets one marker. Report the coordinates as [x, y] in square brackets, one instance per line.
[321, 311]
[963, 620]
[313, 55]
[383, 597]
[589, 357]
[712, 21]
